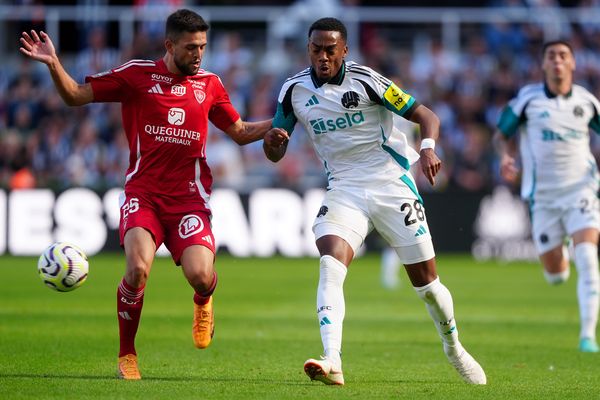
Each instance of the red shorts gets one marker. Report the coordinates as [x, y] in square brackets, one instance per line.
[169, 221]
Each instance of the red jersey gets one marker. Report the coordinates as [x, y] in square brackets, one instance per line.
[166, 119]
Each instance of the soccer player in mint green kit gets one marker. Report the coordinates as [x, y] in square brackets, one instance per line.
[560, 175]
[346, 110]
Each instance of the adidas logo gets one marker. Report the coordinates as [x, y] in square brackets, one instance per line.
[312, 101]
[544, 114]
[421, 231]
[155, 89]
[207, 239]
[325, 321]
[125, 315]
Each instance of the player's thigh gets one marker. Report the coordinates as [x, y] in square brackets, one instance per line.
[139, 211]
[343, 214]
[139, 247]
[547, 230]
[188, 229]
[399, 217]
[197, 263]
[583, 213]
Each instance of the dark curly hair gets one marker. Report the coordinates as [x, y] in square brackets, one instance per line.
[329, 24]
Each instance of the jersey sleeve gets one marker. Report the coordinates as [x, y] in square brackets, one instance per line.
[513, 115]
[284, 115]
[594, 123]
[112, 85]
[384, 92]
[222, 113]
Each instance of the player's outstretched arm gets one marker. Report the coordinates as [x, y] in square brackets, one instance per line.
[243, 132]
[40, 48]
[429, 124]
[275, 144]
[506, 150]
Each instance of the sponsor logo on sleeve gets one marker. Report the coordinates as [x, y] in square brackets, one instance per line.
[396, 97]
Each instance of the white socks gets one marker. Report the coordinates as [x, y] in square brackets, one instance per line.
[438, 301]
[588, 287]
[331, 307]
[556, 278]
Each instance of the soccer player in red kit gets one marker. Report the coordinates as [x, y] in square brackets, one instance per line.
[166, 106]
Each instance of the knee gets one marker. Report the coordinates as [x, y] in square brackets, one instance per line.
[335, 247]
[201, 278]
[137, 273]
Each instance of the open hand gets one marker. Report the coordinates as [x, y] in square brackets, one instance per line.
[39, 47]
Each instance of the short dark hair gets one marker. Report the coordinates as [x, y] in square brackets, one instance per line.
[329, 24]
[555, 42]
[184, 21]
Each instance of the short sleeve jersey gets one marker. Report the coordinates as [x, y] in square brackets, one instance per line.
[165, 117]
[554, 139]
[350, 123]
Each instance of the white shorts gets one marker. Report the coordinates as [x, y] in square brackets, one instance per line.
[395, 210]
[553, 221]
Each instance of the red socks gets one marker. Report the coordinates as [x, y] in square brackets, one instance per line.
[129, 309]
[202, 298]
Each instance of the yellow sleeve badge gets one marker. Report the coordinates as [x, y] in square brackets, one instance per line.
[397, 98]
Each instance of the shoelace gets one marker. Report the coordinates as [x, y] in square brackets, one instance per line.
[204, 320]
[129, 366]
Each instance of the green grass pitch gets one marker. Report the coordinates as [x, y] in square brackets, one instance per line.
[64, 345]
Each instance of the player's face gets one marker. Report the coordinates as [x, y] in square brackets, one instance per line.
[558, 62]
[187, 51]
[327, 50]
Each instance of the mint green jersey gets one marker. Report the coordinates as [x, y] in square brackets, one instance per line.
[554, 139]
[349, 121]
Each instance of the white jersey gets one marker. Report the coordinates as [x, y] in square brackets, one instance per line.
[555, 140]
[350, 125]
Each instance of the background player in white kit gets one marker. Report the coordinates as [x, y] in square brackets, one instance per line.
[345, 110]
[560, 176]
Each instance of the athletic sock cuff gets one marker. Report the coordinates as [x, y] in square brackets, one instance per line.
[202, 298]
[130, 292]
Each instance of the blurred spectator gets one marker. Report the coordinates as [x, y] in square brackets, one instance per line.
[225, 159]
[41, 139]
[96, 57]
[472, 164]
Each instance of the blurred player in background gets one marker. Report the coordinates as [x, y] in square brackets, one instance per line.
[166, 107]
[560, 176]
[346, 109]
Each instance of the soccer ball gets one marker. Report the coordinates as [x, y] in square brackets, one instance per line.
[63, 267]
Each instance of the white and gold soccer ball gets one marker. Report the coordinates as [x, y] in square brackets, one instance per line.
[63, 267]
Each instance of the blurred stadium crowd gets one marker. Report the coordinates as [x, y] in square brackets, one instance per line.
[43, 143]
